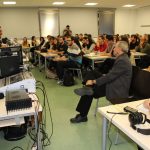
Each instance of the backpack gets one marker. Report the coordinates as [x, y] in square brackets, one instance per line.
[68, 79]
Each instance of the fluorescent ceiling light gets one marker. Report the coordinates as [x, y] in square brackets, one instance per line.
[9, 2]
[58, 3]
[128, 5]
[91, 4]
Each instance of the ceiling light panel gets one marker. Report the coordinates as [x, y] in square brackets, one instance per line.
[9, 2]
[58, 3]
[91, 4]
[128, 5]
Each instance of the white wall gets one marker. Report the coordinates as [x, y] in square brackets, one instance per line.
[19, 22]
[125, 21]
[130, 21]
[143, 19]
[81, 20]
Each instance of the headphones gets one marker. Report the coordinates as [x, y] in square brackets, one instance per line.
[139, 118]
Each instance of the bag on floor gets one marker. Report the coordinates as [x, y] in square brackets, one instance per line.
[14, 133]
[50, 74]
[68, 79]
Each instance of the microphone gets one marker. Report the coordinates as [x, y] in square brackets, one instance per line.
[1, 95]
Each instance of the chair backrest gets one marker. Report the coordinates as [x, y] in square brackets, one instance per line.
[141, 83]
[135, 71]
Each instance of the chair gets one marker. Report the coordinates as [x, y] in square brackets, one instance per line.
[79, 72]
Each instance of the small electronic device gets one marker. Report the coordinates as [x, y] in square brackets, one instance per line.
[130, 110]
[17, 99]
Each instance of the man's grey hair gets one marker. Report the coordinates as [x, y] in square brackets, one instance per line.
[123, 45]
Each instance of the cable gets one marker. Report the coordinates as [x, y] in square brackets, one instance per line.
[41, 127]
[17, 148]
[119, 113]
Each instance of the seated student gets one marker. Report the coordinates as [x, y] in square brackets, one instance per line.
[15, 42]
[74, 59]
[34, 42]
[47, 44]
[25, 43]
[110, 43]
[101, 44]
[115, 84]
[61, 50]
[62, 46]
[34, 46]
[53, 44]
[80, 38]
[144, 46]
[116, 38]
[88, 45]
[42, 43]
[133, 42]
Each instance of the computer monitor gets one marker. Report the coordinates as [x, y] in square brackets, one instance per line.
[12, 51]
[5, 51]
[9, 65]
[17, 51]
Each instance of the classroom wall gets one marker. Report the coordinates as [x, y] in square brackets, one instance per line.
[19, 22]
[131, 21]
[125, 21]
[81, 20]
[143, 19]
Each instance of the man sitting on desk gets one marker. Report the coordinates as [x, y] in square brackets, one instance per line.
[117, 82]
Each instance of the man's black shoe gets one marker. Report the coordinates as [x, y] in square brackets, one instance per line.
[78, 118]
[84, 91]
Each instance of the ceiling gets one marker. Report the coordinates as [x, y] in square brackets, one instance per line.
[78, 3]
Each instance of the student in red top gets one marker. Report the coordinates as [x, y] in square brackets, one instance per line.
[101, 44]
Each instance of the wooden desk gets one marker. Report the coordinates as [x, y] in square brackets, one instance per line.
[122, 123]
[137, 55]
[96, 57]
[46, 56]
[101, 57]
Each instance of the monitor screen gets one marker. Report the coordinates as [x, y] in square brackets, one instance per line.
[17, 51]
[5, 51]
[9, 65]
[12, 51]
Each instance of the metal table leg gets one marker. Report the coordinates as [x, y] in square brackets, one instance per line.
[104, 133]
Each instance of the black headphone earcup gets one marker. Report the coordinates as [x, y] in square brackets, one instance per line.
[140, 118]
[132, 118]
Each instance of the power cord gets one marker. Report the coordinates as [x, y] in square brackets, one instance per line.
[114, 114]
[46, 139]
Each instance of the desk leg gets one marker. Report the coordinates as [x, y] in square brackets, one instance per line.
[38, 132]
[39, 62]
[45, 65]
[104, 133]
[93, 64]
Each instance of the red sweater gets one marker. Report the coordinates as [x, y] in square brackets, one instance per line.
[101, 48]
